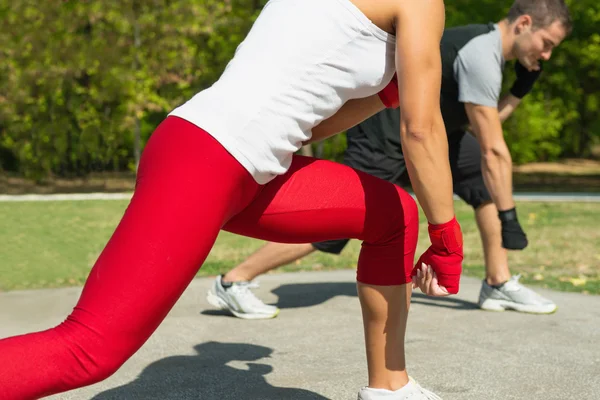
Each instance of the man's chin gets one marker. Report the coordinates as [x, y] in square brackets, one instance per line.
[530, 65]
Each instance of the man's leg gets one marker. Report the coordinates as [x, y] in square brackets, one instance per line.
[233, 291]
[272, 255]
[495, 256]
[499, 291]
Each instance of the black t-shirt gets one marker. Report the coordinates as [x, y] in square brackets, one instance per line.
[383, 129]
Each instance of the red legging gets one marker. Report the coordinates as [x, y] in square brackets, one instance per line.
[188, 188]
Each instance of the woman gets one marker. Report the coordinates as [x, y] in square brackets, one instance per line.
[225, 160]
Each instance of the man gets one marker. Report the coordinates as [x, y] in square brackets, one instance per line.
[473, 59]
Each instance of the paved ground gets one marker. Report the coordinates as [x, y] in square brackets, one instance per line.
[314, 349]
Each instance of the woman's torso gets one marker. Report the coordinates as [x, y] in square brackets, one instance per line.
[301, 61]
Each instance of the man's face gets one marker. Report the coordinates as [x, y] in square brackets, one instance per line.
[533, 45]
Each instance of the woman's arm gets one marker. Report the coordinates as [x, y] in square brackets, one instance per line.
[419, 28]
[352, 113]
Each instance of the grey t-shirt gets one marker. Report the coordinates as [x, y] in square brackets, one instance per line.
[478, 69]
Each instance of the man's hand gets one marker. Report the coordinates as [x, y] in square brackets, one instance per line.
[438, 270]
[525, 79]
[513, 237]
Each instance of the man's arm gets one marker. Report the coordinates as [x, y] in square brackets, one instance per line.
[506, 106]
[522, 85]
[496, 159]
[352, 113]
[497, 171]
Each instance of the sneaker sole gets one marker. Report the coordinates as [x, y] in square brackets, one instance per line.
[216, 301]
[502, 305]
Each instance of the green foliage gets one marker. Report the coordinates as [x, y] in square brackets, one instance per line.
[533, 132]
[574, 77]
[331, 149]
[76, 78]
[80, 81]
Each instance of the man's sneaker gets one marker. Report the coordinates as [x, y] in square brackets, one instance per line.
[514, 296]
[239, 300]
[411, 391]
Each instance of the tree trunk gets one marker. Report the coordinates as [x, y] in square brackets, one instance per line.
[307, 150]
[320, 149]
[137, 143]
[137, 140]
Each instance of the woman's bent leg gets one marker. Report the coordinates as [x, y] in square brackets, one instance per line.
[321, 200]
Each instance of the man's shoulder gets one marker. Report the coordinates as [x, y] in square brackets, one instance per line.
[470, 29]
[484, 49]
[462, 38]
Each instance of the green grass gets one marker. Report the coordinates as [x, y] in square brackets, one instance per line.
[52, 244]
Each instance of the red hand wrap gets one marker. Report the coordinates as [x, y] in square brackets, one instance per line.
[446, 236]
[445, 254]
[389, 95]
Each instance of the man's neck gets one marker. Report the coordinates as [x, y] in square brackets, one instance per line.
[508, 39]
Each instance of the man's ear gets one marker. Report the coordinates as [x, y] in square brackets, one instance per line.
[523, 24]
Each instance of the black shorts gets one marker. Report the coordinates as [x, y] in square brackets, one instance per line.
[465, 163]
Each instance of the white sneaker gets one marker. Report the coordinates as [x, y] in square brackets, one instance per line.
[514, 296]
[239, 300]
[411, 391]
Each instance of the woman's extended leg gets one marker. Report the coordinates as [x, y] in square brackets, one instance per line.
[188, 186]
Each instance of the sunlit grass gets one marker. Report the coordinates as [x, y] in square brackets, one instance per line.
[52, 244]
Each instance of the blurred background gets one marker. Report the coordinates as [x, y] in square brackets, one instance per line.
[83, 84]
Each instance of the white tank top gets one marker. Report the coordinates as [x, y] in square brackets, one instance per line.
[301, 61]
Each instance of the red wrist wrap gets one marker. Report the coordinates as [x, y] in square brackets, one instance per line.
[446, 236]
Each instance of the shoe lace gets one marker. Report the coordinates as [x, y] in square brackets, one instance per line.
[513, 284]
[429, 394]
[242, 289]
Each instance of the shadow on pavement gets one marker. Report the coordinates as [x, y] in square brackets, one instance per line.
[311, 294]
[446, 302]
[298, 295]
[206, 375]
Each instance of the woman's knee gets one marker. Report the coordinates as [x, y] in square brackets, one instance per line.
[387, 257]
[399, 224]
[91, 355]
[411, 221]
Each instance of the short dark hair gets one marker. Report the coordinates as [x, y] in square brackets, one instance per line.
[542, 12]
